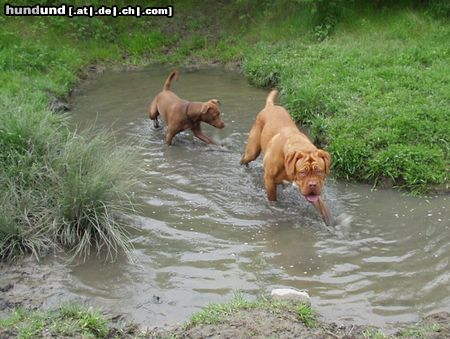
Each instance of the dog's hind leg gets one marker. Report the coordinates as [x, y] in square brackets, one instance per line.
[153, 113]
[253, 148]
[171, 132]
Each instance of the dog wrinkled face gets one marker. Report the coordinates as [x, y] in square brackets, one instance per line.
[211, 114]
[308, 172]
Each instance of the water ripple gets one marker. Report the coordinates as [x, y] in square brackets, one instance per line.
[207, 229]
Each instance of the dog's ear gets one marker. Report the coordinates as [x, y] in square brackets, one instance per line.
[209, 104]
[205, 107]
[326, 159]
[289, 162]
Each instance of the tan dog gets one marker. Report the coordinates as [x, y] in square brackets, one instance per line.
[288, 155]
[180, 114]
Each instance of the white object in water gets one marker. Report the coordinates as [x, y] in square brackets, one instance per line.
[289, 294]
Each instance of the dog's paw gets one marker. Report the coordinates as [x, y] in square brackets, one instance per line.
[243, 163]
[156, 124]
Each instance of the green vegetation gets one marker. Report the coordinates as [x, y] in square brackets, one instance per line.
[69, 321]
[422, 331]
[245, 317]
[306, 315]
[373, 334]
[368, 79]
[374, 93]
[58, 188]
[215, 313]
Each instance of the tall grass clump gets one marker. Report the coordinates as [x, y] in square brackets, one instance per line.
[94, 181]
[60, 189]
[26, 142]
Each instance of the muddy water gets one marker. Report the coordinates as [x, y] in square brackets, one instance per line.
[206, 229]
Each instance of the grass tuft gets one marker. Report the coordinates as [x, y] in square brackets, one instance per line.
[95, 178]
[67, 321]
[306, 315]
[59, 188]
[215, 313]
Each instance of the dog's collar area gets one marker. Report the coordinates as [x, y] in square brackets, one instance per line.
[186, 111]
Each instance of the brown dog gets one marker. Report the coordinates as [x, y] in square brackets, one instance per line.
[288, 155]
[180, 115]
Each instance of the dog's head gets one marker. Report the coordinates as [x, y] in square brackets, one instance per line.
[210, 113]
[308, 170]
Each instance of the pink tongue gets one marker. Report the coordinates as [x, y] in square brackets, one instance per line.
[312, 198]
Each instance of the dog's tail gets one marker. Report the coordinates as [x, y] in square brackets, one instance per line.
[271, 97]
[168, 82]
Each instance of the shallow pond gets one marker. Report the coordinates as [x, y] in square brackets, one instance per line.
[207, 230]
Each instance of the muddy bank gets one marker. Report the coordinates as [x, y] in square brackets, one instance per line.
[255, 323]
[39, 286]
[33, 285]
[246, 322]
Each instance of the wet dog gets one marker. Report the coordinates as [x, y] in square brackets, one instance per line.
[180, 114]
[288, 155]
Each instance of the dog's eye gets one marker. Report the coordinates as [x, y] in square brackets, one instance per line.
[303, 173]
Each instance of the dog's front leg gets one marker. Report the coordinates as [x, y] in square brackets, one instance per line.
[199, 134]
[271, 188]
[323, 210]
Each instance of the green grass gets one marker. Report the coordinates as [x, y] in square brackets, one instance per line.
[66, 321]
[420, 331]
[373, 93]
[59, 189]
[95, 179]
[216, 313]
[306, 315]
[374, 334]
